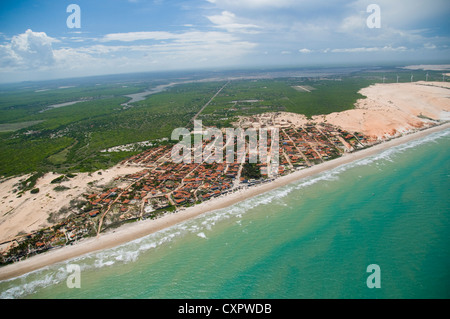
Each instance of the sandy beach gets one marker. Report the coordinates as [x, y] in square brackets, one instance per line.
[139, 229]
[388, 111]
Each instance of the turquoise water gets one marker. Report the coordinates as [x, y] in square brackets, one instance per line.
[311, 239]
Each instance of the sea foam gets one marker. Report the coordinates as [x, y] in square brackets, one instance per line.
[27, 284]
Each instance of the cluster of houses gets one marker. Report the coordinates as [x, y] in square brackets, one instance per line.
[149, 156]
[306, 146]
[163, 186]
[64, 233]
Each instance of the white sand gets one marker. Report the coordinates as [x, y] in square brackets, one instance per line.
[137, 230]
[388, 109]
[30, 212]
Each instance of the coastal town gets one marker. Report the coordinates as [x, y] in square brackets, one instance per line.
[164, 187]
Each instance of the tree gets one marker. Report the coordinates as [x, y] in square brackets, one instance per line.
[250, 171]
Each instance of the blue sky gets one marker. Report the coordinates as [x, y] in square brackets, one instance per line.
[120, 36]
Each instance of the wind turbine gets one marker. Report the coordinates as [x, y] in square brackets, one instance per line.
[384, 78]
[427, 77]
[397, 78]
[412, 77]
[443, 77]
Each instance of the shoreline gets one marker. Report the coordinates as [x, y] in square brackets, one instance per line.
[134, 231]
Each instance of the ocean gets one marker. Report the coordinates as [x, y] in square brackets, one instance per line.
[314, 238]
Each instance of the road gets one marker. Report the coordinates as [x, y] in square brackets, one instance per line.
[204, 106]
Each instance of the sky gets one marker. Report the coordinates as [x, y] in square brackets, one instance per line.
[37, 42]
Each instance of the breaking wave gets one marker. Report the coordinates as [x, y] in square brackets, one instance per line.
[29, 283]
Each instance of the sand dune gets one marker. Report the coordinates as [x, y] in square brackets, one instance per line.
[390, 109]
[30, 212]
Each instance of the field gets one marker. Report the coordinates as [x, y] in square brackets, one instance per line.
[38, 138]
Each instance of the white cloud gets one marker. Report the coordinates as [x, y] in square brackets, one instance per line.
[135, 36]
[353, 23]
[28, 50]
[289, 24]
[429, 46]
[210, 37]
[400, 14]
[241, 32]
[256, 3]
[121, 52]
[228, 21]
[370, 49]
[35, 55]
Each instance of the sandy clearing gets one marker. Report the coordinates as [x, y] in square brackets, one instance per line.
[28, 213]
[390, 109]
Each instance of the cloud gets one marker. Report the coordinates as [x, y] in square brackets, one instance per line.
[135, 36]
[353, 23]
[406, 14]
[133, 52]
[28, 50]
[256, 3]
[222, 33]
[228, 21]
[34, 55]
[210, 37]
[370, 49]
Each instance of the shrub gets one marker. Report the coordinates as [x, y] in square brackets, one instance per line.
[60, 188]
[58, 179]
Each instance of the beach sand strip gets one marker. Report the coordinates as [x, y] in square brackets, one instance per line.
[143, 228]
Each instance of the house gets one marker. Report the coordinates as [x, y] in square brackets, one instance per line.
[94, 213]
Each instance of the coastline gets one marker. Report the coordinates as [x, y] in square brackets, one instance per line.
[140, 229]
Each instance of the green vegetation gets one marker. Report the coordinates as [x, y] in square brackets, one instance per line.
[8, 127]
[30, 182]
[60, 188]
[35, 136]
[57, 139]
[260, 96]
[250, 171]
[59, 179]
